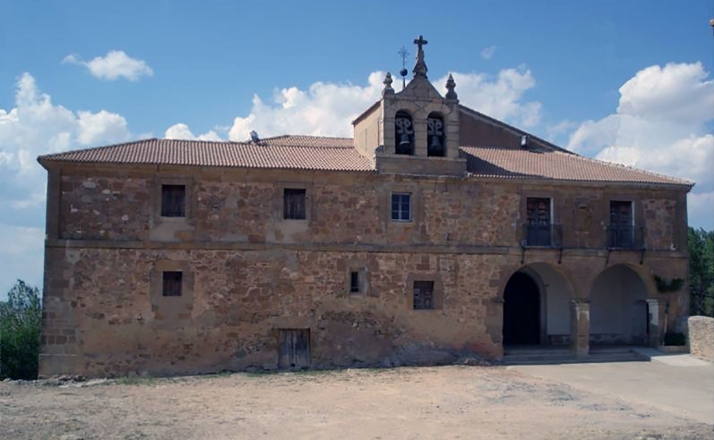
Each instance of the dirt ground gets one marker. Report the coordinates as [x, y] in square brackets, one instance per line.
[457, 402]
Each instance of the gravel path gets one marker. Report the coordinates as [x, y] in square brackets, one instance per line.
[404, 403]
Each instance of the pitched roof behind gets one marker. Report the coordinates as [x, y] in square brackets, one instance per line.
[511, 163]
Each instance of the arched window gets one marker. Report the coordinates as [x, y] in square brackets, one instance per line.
[435, 137]
[404, 131]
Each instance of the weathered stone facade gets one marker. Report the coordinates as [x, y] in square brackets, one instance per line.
[251, 272]
[248, 273]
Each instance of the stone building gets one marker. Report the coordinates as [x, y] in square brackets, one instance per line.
[436, 231]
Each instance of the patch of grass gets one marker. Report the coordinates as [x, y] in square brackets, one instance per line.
[259, 373]
[135, 380]
[312, 373]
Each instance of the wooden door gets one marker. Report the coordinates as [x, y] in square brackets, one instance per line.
[294, 348]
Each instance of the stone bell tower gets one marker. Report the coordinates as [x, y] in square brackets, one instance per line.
[414, 131]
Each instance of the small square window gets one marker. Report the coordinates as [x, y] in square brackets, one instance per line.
[294, 204]
[172, 283]
[355, 282]
[173, 200]
[401, 207]
[423, 295]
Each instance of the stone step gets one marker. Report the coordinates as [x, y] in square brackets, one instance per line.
[561, 358]
[536, 350]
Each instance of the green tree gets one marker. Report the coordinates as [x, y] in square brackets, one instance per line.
[20, 327]
[701, 271]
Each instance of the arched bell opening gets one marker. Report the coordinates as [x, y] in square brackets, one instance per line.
[436, 135]
[404, 130]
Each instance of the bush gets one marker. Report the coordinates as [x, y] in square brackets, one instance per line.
[674, 338]
[20, 327]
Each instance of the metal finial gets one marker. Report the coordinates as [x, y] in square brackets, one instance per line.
[404, 53]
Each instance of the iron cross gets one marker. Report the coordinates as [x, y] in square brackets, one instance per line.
[420, 42]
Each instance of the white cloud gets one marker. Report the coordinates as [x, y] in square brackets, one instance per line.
[677, 93]
[500, 97]
[325, 109]
[113, 65]
[660, 124]
[328, 109]
[488, 52]
[96, 127]
[558, 133]
[181, 131]
[33, 127]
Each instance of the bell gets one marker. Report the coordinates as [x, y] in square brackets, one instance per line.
[404, 141]
[435, 143]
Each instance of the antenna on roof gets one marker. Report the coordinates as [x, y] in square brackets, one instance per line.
[254, 136]
[524, 141]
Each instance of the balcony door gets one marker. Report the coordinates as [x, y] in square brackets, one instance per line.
[539, 221]
[621, 224]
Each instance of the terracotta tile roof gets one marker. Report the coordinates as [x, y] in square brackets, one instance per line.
[292, 152]
[338, 154]
[509, 163]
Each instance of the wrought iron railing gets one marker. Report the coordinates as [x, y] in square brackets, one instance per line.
[625, 237]
[542, 235]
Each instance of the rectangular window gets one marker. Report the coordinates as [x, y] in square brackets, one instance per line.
[354, 282]
[172, 283]
[294, 204]
[173, 200]
[423, 295]
[401, 207]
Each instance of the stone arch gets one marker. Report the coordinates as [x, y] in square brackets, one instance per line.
[404, 133]
[435, 135]
[555, 291]
[618, 306]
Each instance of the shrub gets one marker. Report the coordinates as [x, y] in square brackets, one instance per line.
[20, 327]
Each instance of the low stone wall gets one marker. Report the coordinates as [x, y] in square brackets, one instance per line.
[701, 337]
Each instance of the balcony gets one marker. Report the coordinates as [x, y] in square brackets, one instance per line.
[547, 235]
[625, 237]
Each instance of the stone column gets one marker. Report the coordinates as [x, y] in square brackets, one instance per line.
[653, 323]
[580, 327]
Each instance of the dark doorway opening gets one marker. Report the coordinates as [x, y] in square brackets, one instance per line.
[294, 348]
[521, 311]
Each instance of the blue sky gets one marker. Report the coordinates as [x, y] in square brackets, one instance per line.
[629, 82]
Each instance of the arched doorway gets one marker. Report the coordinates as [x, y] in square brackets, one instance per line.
[521, 310]
[618, 307]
